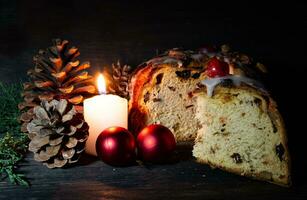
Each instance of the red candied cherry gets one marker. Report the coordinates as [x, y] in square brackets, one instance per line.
[217, 68]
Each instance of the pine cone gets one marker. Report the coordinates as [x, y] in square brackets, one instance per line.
[56, 75]
[58, 133]
[120, 76]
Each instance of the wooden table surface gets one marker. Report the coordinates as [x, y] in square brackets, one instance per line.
[182, 179]
[130, 31]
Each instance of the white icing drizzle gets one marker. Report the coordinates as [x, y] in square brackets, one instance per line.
[155, 60]
[211, 83]
[173, 60]
[197, 56]
[164, 60]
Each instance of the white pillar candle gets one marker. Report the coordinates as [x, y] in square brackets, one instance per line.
[103, 111]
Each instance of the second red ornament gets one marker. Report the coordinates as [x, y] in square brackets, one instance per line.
[156, 143]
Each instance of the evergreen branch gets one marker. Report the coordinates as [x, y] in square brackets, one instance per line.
[13, 143]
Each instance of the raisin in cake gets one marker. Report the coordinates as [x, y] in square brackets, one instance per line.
[161, 89]
[242, 130]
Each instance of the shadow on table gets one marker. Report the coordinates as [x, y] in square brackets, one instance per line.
[87, 159]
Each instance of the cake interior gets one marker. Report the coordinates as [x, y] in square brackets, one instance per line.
[239, 135]
[170, 101]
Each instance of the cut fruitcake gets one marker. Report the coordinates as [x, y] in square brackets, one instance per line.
[167, 90]
[161, 89]
[242, 130]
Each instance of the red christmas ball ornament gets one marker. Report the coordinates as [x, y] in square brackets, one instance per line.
[217, 68]
[116, 146]
[155, 143]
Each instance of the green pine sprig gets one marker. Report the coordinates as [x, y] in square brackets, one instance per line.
[13, 143]
[12, 150]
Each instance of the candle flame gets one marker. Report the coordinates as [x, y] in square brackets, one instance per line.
[101, 84]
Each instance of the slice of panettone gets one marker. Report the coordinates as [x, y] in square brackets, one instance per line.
[241, 130]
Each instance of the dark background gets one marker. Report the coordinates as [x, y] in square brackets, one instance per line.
[132, 31]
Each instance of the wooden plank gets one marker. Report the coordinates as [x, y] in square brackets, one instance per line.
[183, 179]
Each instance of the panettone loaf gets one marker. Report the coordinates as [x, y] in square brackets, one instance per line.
[242, 132]
[235, 126]
[161, 89]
